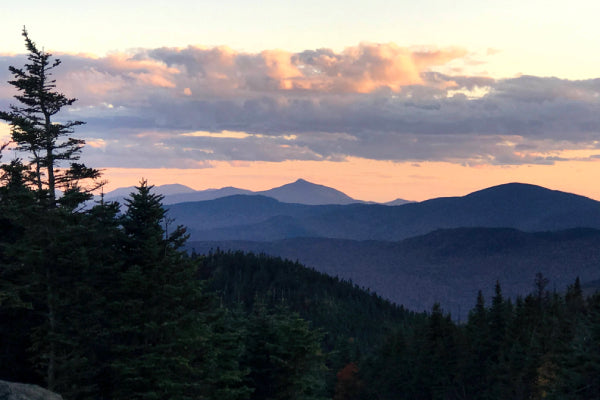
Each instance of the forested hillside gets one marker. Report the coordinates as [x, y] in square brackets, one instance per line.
[447, 266]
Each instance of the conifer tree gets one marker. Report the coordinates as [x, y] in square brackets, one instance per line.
[223, 376]
[284, 357]
[49, 257]
[160, 336]
[440, 354]
[36, 131]
[498, 317]
[479, 349]
[17, 211]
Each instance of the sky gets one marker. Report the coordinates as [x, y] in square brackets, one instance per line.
[379, 99]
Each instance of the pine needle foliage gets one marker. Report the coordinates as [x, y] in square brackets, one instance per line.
[37, 132]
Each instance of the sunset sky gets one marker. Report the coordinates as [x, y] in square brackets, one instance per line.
[379, 99]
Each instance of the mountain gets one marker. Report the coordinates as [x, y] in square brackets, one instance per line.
[234, 211]
[523, 206]
[165, 190]
[397, 202]
[515, 205]
[300, 192]
[447, 266]
[305, 192]
[202, 195]
[176, 193]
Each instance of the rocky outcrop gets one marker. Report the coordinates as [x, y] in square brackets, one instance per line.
[22, 391]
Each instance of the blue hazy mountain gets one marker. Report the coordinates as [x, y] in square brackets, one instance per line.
[398, 202]
[305, 192]
[176, 193]
[515, 205]
[201, 195]
[300, 191]
[165, 190]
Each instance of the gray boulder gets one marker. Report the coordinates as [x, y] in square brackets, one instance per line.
[22, 391]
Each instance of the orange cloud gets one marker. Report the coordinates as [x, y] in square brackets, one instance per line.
[365, 68]
[428, 58]
[96, 143]
[155, 80]
[358, 69]
[120, 75]
[368, 67]
[381, 65]
[279, 66]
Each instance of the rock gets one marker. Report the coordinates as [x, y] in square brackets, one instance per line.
[22, 391]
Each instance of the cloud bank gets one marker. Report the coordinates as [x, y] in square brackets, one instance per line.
[183, 107]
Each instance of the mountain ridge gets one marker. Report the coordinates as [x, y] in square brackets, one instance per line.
[300, 191]
[520, 206]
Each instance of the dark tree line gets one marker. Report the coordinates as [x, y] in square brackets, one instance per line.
[543, 346]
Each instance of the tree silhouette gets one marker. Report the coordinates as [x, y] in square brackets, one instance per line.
[35, 130]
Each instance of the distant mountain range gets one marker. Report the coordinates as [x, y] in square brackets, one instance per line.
[415, 254]
[259, 218]
[299, 192]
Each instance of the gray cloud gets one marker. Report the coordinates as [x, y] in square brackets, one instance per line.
[373, 101]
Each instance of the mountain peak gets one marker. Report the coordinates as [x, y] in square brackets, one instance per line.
[522, 191]
[173, 188]
[304, 192]
[165, 190]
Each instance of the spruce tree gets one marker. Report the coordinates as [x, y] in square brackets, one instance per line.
[48, 141]
[439, 354]
[160, 336]
[500, 314]
[17, 211]
[479, 353]
[46, 264]
[284, 357]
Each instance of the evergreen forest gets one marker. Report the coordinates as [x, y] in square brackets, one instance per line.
[103, 301]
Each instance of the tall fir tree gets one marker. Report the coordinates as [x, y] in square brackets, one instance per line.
[478, 357]
[284, 356]
[161, 320]
[18, 210]
[46, 261]
[48, 141]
